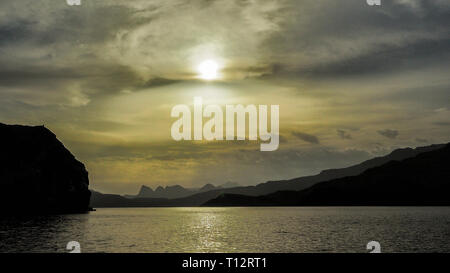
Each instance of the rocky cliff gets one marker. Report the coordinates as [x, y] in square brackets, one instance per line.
[38, 174]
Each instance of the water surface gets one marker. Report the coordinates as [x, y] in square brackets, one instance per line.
[256, 229]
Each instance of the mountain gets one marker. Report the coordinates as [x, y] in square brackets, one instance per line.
[197, 198]
[38, 174]
[145, 191]
[207, 187]
[421, 180]
[160, 192]
[176, 191]
[307, 181]
[100, 200]
[170, 192]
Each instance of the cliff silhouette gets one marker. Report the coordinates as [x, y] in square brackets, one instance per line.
[38, 175]
[418, 181]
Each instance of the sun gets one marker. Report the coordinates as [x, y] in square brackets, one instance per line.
[208, 70]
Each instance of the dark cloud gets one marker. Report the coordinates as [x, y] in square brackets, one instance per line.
[384, 59]
[343, 134]
[67, 26]
[306, 137]
[442, 123]
[418, 95]
[349, 38]
[92, 79]
[15, 32]
[157, 82]
[388, 133]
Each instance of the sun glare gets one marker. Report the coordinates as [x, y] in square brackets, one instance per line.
[208, 70]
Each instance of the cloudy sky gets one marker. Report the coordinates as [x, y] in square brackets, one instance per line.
[352, 81]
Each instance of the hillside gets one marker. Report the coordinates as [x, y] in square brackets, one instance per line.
[418, 181]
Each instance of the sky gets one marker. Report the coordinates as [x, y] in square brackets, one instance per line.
[352, 81]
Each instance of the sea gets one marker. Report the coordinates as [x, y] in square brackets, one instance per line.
[231, 230]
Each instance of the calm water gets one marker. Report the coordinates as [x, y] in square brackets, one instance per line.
[302, 229]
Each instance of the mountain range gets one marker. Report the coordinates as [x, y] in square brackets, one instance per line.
[177, 191]
[420, 181]
[272, 187]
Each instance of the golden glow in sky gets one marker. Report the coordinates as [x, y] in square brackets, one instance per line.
[107, 90]
[208, 70]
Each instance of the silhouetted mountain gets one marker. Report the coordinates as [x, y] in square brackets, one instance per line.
[196, 198]
[100, 200]
[307, 181]
[146, 191]
[176, 191]
[160, 192]
[421, 180]
[208, 187]
[170, 192]
[38, 174]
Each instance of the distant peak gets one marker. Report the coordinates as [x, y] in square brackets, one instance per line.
[145, 190]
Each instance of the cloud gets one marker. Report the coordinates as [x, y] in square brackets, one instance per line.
[338, 39]
[442, 123]
[343, 134]
[157, 82]
[383, 59]
[104, 76]
[319, 38]
[392, 134]
[306, 137]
